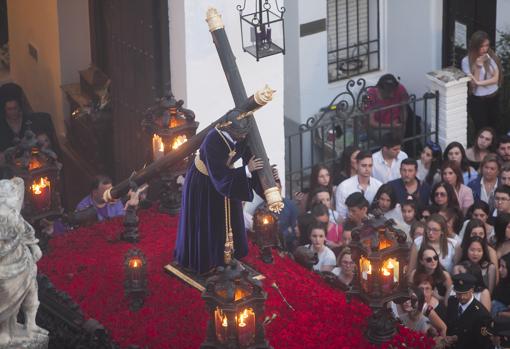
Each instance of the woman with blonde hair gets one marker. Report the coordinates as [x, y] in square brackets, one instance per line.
[436, 237]
[483, 66]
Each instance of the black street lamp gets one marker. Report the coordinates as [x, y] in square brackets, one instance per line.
[262, 28]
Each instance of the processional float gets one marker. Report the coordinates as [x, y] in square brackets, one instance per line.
[236, 315]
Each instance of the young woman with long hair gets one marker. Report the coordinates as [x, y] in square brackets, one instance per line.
[429, 163]
[455, 152]
[483, 66]
[475, 227]
[484, 145]
[442, 195]
[436, 236]
[346, 167]
[476, 251]
[385, 201]
[451, 174]
[479, 210]
[327, 261]
[429, 264]
[320, 176]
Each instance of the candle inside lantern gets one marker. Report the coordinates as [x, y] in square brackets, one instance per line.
[135, 263]
[135, 266]
[178, 141]
[366, 268]
[246, 326]
[158, 147]
[388, 272]
[41, 194]
[221, 325]
[366, 273]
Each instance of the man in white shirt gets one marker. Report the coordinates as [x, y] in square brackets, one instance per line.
[362, 182]
[387, 160]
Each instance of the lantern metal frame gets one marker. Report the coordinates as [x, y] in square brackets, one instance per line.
[168, 119]
[229, 293]
[259, 21]
[266, 234]
[376, 242]
[30, 161]
[135, 285]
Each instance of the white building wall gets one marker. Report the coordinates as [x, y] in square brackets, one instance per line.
[502, 16]
[292, 58]
[198, 78]
[410, 38]
[413, 41]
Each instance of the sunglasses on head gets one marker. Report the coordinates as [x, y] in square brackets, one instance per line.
[430, 259]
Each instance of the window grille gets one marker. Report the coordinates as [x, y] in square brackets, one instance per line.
[353, 38]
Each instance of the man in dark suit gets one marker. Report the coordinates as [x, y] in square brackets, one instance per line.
[466, 317]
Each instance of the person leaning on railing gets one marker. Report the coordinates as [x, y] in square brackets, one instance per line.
[384, 118]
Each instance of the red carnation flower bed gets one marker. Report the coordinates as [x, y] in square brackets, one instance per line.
[88, 264]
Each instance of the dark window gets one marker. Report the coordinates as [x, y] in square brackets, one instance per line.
[353, 38]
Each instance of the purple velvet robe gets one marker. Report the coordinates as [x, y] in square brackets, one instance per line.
[201, 235]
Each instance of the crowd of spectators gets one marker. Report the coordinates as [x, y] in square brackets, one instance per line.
[454, 206]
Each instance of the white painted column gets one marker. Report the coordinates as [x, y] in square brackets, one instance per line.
[453, 91]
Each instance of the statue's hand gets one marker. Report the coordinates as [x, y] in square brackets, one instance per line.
[276, 175]
[36, 252]
[255, 164]
[133, 199]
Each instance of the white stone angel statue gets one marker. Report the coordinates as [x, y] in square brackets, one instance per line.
[19, 253]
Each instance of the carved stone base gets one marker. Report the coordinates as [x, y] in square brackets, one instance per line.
[39, 341]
